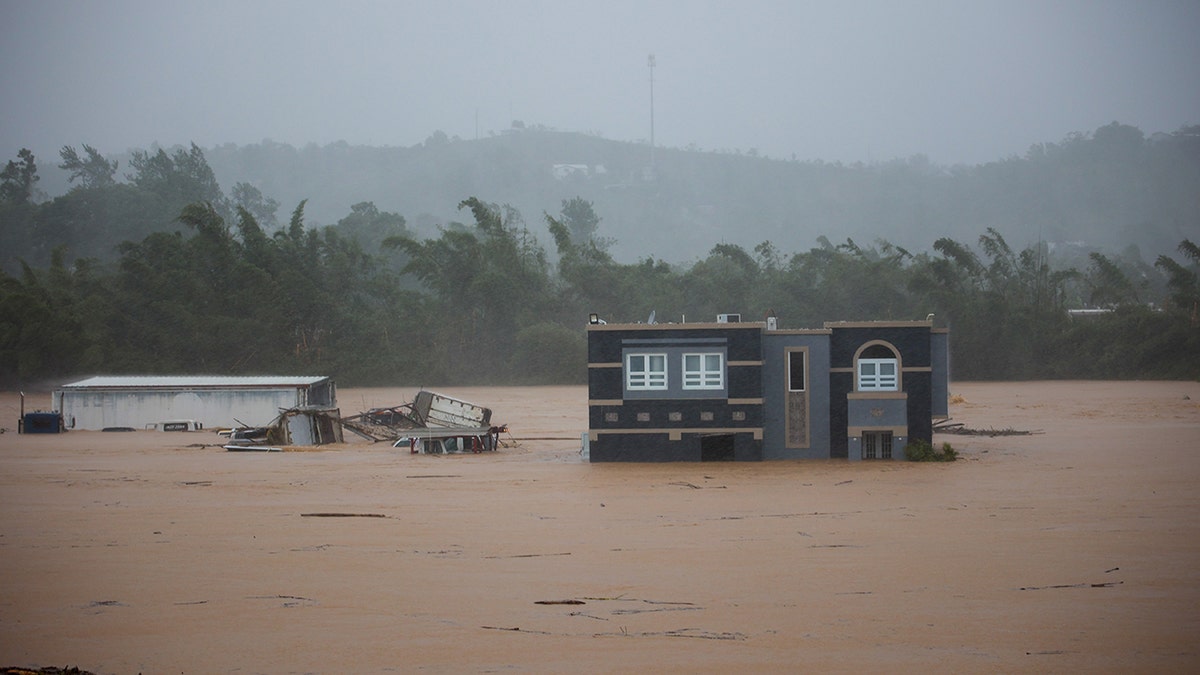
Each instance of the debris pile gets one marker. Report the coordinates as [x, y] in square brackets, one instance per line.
[301, 426]
[431, 424]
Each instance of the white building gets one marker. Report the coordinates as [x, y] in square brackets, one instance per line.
[214, 401]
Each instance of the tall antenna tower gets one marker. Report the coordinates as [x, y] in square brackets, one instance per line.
[650, 62]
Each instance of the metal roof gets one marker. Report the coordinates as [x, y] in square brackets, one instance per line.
[194, 381]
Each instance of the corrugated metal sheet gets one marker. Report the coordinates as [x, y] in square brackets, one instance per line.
[214, 400]
[190, 381]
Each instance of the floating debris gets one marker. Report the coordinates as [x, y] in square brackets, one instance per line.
[945, 427]
[342, 515]
[432, 424]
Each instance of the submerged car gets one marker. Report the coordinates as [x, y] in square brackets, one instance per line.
[447, 444]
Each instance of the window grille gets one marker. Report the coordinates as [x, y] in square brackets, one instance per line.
[877, 445]
[703, 371]
[646, 371]
[877, 374]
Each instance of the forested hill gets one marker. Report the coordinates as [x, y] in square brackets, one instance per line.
[1107, 189]
[472, 262]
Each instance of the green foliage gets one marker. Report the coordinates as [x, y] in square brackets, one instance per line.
[549, 352]
[91, 170]
[18, 180]
[198, 283]
[921, 451]
[250, 199]
[1183, 282]
[581, 220]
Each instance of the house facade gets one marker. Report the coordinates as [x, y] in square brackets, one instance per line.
[738, 391]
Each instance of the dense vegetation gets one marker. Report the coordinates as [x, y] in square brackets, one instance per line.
[204, 283]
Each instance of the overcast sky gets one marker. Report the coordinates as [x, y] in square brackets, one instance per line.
[959, 81]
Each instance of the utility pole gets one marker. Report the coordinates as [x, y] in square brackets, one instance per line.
[650, 62]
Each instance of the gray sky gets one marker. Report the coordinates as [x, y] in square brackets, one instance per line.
[959, 81]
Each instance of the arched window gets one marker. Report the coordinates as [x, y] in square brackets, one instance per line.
[877, 367]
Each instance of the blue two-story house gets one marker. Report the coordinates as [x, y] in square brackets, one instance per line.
[749, 391]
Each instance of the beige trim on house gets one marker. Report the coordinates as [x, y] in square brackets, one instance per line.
[755, 325]
[801, 331]
[875, 395]
[728, 401]
[878, 324]
[857, 432]
[891, 347]
[903, 369]
[743, 364]
[790, 396]
[605, 365]
[677, 434]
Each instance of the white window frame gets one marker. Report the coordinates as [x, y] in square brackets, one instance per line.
[802, 355]
[651, 373]
[706, 375]
[871, 379]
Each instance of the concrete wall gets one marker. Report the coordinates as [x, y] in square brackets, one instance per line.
[775, 394]
[940, 358]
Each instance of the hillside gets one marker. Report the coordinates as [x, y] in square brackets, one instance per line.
[1106, 190]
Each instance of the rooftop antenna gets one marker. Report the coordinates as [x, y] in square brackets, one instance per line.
[651, 62]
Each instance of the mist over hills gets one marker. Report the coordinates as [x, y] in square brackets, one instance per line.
[1108, 189]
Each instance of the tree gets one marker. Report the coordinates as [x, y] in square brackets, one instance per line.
[588, 280]
[40, 335]
[369, 226]
[92, 171]
[262, 208]
[18, 181]
[180, 179]
[18, 213]
[1183, 282]
[1109, 285]
[488, 280]
[1118, 142]
[721, 283]
[580, 218]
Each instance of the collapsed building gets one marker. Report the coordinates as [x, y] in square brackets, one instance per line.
[431, 423]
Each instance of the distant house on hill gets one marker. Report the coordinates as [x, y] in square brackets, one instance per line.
[564, 171]
[730, 390]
